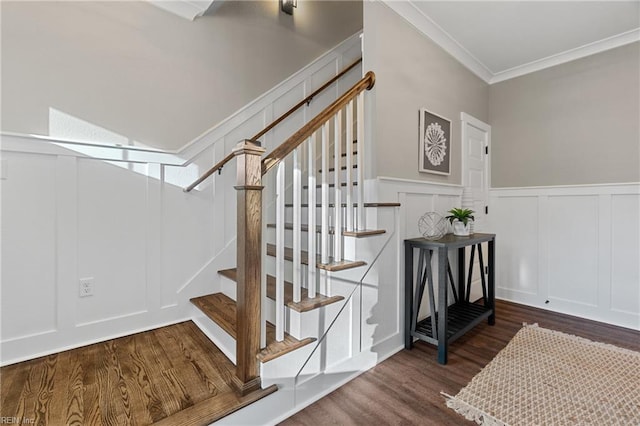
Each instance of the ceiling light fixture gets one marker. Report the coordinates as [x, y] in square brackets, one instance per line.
[287, 6]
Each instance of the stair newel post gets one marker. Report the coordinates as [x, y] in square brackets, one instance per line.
[249, 259]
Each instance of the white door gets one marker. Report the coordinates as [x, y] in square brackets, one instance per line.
[476, 140]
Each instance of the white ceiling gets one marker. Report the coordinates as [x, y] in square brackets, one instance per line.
[499, 40]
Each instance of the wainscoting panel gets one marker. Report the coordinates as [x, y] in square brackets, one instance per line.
[625, 246]
[34, 267]
[517, 247]
[571, 249]
[573, 240]
[416, 198]
[102, 227]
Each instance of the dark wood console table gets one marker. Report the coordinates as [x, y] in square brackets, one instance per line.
[447, 322]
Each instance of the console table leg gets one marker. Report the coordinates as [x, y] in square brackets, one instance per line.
[461, 280]
[443, 338]
[408, 295]
[492, 283]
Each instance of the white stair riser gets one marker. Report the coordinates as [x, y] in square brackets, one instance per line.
[288, 236]
[228, 287]
[304, 324]
[343, 174]
[305, 213]
[288, 274]
[215, 333]
[304, 193]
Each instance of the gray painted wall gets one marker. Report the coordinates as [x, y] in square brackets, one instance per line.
[413, 72]
[150, 76]
[575, 123]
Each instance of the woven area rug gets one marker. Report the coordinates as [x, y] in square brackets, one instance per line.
[544, 377]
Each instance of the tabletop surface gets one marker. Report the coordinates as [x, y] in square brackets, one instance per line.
[451, 240]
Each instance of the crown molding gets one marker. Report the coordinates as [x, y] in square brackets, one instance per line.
[569, 55]
[428, 27]
[407, 10]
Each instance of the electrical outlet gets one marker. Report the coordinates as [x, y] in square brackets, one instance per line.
[86, 287]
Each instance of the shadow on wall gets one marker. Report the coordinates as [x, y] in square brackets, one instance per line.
[93, 138]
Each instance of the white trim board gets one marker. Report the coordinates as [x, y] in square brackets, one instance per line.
[424, 24]
[188, 9]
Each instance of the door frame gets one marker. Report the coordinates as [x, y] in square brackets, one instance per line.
[472, 121]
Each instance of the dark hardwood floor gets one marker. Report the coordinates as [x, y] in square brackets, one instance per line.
[405, 389]
[172, 375]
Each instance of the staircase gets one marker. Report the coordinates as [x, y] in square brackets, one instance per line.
[294, 255]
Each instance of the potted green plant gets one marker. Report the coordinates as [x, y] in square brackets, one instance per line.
[460, 220]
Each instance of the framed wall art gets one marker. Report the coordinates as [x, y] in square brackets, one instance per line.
[435, 143]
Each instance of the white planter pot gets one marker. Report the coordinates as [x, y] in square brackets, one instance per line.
[460, 228]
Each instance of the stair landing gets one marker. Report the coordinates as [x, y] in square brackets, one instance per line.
[172, 375]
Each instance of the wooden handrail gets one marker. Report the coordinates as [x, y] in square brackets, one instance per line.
[307, 130]
[304, 101]
[225, 160]
[211, 171]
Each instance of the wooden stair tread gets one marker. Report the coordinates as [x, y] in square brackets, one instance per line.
[276, 349]
[363, 233]
[304, 305]
[333, 169]
[332, 266]
[305, 228]
[331, 185]
[215, 408]
[221, 309]
[354, 205]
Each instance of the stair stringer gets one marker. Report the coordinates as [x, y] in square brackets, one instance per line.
[200, 282]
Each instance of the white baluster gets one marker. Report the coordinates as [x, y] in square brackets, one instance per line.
[280, 191]
[349, 163]
[337, 202]
[297, 207]
[324, 230]
[360, 162]
[311, 221]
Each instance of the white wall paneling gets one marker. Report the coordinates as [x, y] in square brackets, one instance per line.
[34, 267]
[571, 249]
[517, 248]
[624, 246]
[416, 198]
[75, 210]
